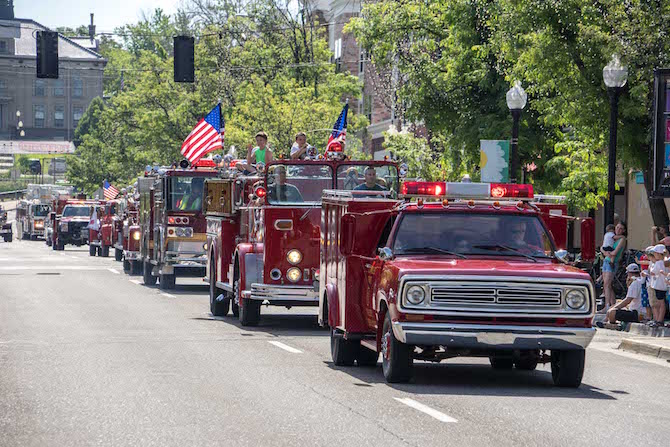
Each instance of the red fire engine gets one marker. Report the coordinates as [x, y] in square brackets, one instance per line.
[128, 237]
[103, 238]
[265, 249]
[71, 226]
[467, 269]
[172, 239]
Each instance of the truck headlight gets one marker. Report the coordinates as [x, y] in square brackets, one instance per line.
[293, 274]
[294, 257]
[136, 235]
[416, 294]
[575, 299]
[63, 226]
[39, 224]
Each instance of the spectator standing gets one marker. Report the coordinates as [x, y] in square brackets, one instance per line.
[659, 286]
[610, 265]
[644, 267]
[659, 235]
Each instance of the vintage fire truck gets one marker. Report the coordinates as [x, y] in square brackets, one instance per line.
[71, 226]
[110, 223]
[128, 237]
[32, 212]
[264, 231]
[5, 226]
[173, 226]
[453, 269]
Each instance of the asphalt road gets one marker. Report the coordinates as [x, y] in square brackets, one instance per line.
[89, 356]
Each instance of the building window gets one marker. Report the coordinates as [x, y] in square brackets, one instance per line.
[3, 87]
[361, 62]
[367, 107]
[77, 113]
[77, 88]
[4, 48]
[59, 87]
[40, 87]
[39, 114]
[337, 55]
[59, 116]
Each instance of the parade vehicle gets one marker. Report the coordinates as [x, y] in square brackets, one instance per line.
[33, 211]
[71, 226]
[5, 226]
[128, 238]
[172, 223]
[453, 269]
[264, 231]
[110, 224]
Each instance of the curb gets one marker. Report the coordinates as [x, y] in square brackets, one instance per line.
[643, 329]
[643, 348]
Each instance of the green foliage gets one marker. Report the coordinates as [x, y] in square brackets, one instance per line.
[414, 151]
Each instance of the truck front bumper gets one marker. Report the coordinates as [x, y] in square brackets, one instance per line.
[470, 336]
[132, 255]
[297, 295]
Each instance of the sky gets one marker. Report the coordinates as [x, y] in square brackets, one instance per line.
[109, 14]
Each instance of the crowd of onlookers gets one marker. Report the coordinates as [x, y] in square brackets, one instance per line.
[647, 279]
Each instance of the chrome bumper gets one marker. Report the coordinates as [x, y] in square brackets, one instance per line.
[472, 336]
[268, 292]
[132, 255]
[183, 259]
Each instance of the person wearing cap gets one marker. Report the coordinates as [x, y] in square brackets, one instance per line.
[610, 264]
[657, 275]
[630, 310]
[644, 268]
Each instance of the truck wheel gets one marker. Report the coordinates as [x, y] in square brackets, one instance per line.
[501, 362]
[217, 308]
[54, 246]
[135, 268]
[342, 351]
[567, 368]
[126, 266]
[149, 279]
[91, 250]
[103, 251]
[396, 356]
[118, 254]
[235, 307]
[527, 362]
[8, 238]
[60, 246]
[167, 282]
[366, 357]
[250, 312]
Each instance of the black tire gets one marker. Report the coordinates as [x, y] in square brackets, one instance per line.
[366, 357]
[33, 237]
[342, 351]
[567, 368]
[217, 308]
[397, 359]
[126, 266]
[60, 246]
[167, 282]
[135, 268]
[118, 255]
[8, 238]
[235, 307]
[91, 250]
[54, 246]
[149, 279]
[103, 251]
[249, 312]
[499, 362]
[526, 362]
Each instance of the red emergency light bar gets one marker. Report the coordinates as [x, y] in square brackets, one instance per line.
[204, 163]
[456, 190]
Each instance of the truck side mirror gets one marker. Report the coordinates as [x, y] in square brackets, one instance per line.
[347, 232]
[588, 239]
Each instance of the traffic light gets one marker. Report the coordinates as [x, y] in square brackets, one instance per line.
[47, 54]
[184, 59]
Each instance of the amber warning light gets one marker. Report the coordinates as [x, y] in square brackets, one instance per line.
[455, 190]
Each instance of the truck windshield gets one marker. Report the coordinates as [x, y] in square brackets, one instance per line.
[76, 211]
[40, 210]
[185, 194]
[472, 234]
[291, 184]
[368, 178]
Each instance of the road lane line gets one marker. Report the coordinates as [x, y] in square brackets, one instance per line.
[50, 267]
[285, 347]
[168, 295]
[136, 281]
[425, 409]
[114, 271]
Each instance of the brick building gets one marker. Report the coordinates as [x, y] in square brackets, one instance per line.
[50, 109]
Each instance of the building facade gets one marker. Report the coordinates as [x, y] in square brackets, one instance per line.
[48, 109]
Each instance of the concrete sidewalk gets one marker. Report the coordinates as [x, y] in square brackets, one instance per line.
[651, 346]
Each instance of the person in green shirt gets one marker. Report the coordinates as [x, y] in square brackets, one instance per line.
[193, 200]
[370, 181]
[259, 154]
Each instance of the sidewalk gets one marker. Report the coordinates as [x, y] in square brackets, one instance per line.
[651, 346]
[640, 338]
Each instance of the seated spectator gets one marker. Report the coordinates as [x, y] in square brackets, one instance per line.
[630, 310]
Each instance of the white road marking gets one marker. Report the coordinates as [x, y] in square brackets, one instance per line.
[50, 267]
[114, 271]
[168, 295]
[136, 281]
[425, 409]
[285, 347]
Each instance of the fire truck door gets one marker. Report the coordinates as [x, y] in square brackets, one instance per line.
[373, 270]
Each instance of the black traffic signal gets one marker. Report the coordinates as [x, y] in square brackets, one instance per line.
[184, 59]
[35, 167]
[47, 54]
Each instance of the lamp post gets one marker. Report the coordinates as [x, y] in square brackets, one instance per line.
[516, 101]
[615, 76]
[19, 125]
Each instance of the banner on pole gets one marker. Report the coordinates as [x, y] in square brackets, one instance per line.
[494, 160]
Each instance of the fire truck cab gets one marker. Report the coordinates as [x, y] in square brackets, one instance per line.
[264, 246]
[172, 222]
[71, 226]
[103, 238]
[453, 269]
[30, 218]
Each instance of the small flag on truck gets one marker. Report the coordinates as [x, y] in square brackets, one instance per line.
[110, 192]
[207, 136]
[339, 134]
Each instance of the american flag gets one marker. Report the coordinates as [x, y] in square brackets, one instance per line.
[109, 191]
[339, 135]
[206, 137]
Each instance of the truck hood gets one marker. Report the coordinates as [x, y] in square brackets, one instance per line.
[74, 219]
[508, 266]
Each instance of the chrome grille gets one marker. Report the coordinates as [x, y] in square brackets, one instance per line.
[498, 297]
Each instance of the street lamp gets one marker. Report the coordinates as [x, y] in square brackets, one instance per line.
[516, 101]
[615, 76]
[19, 125]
